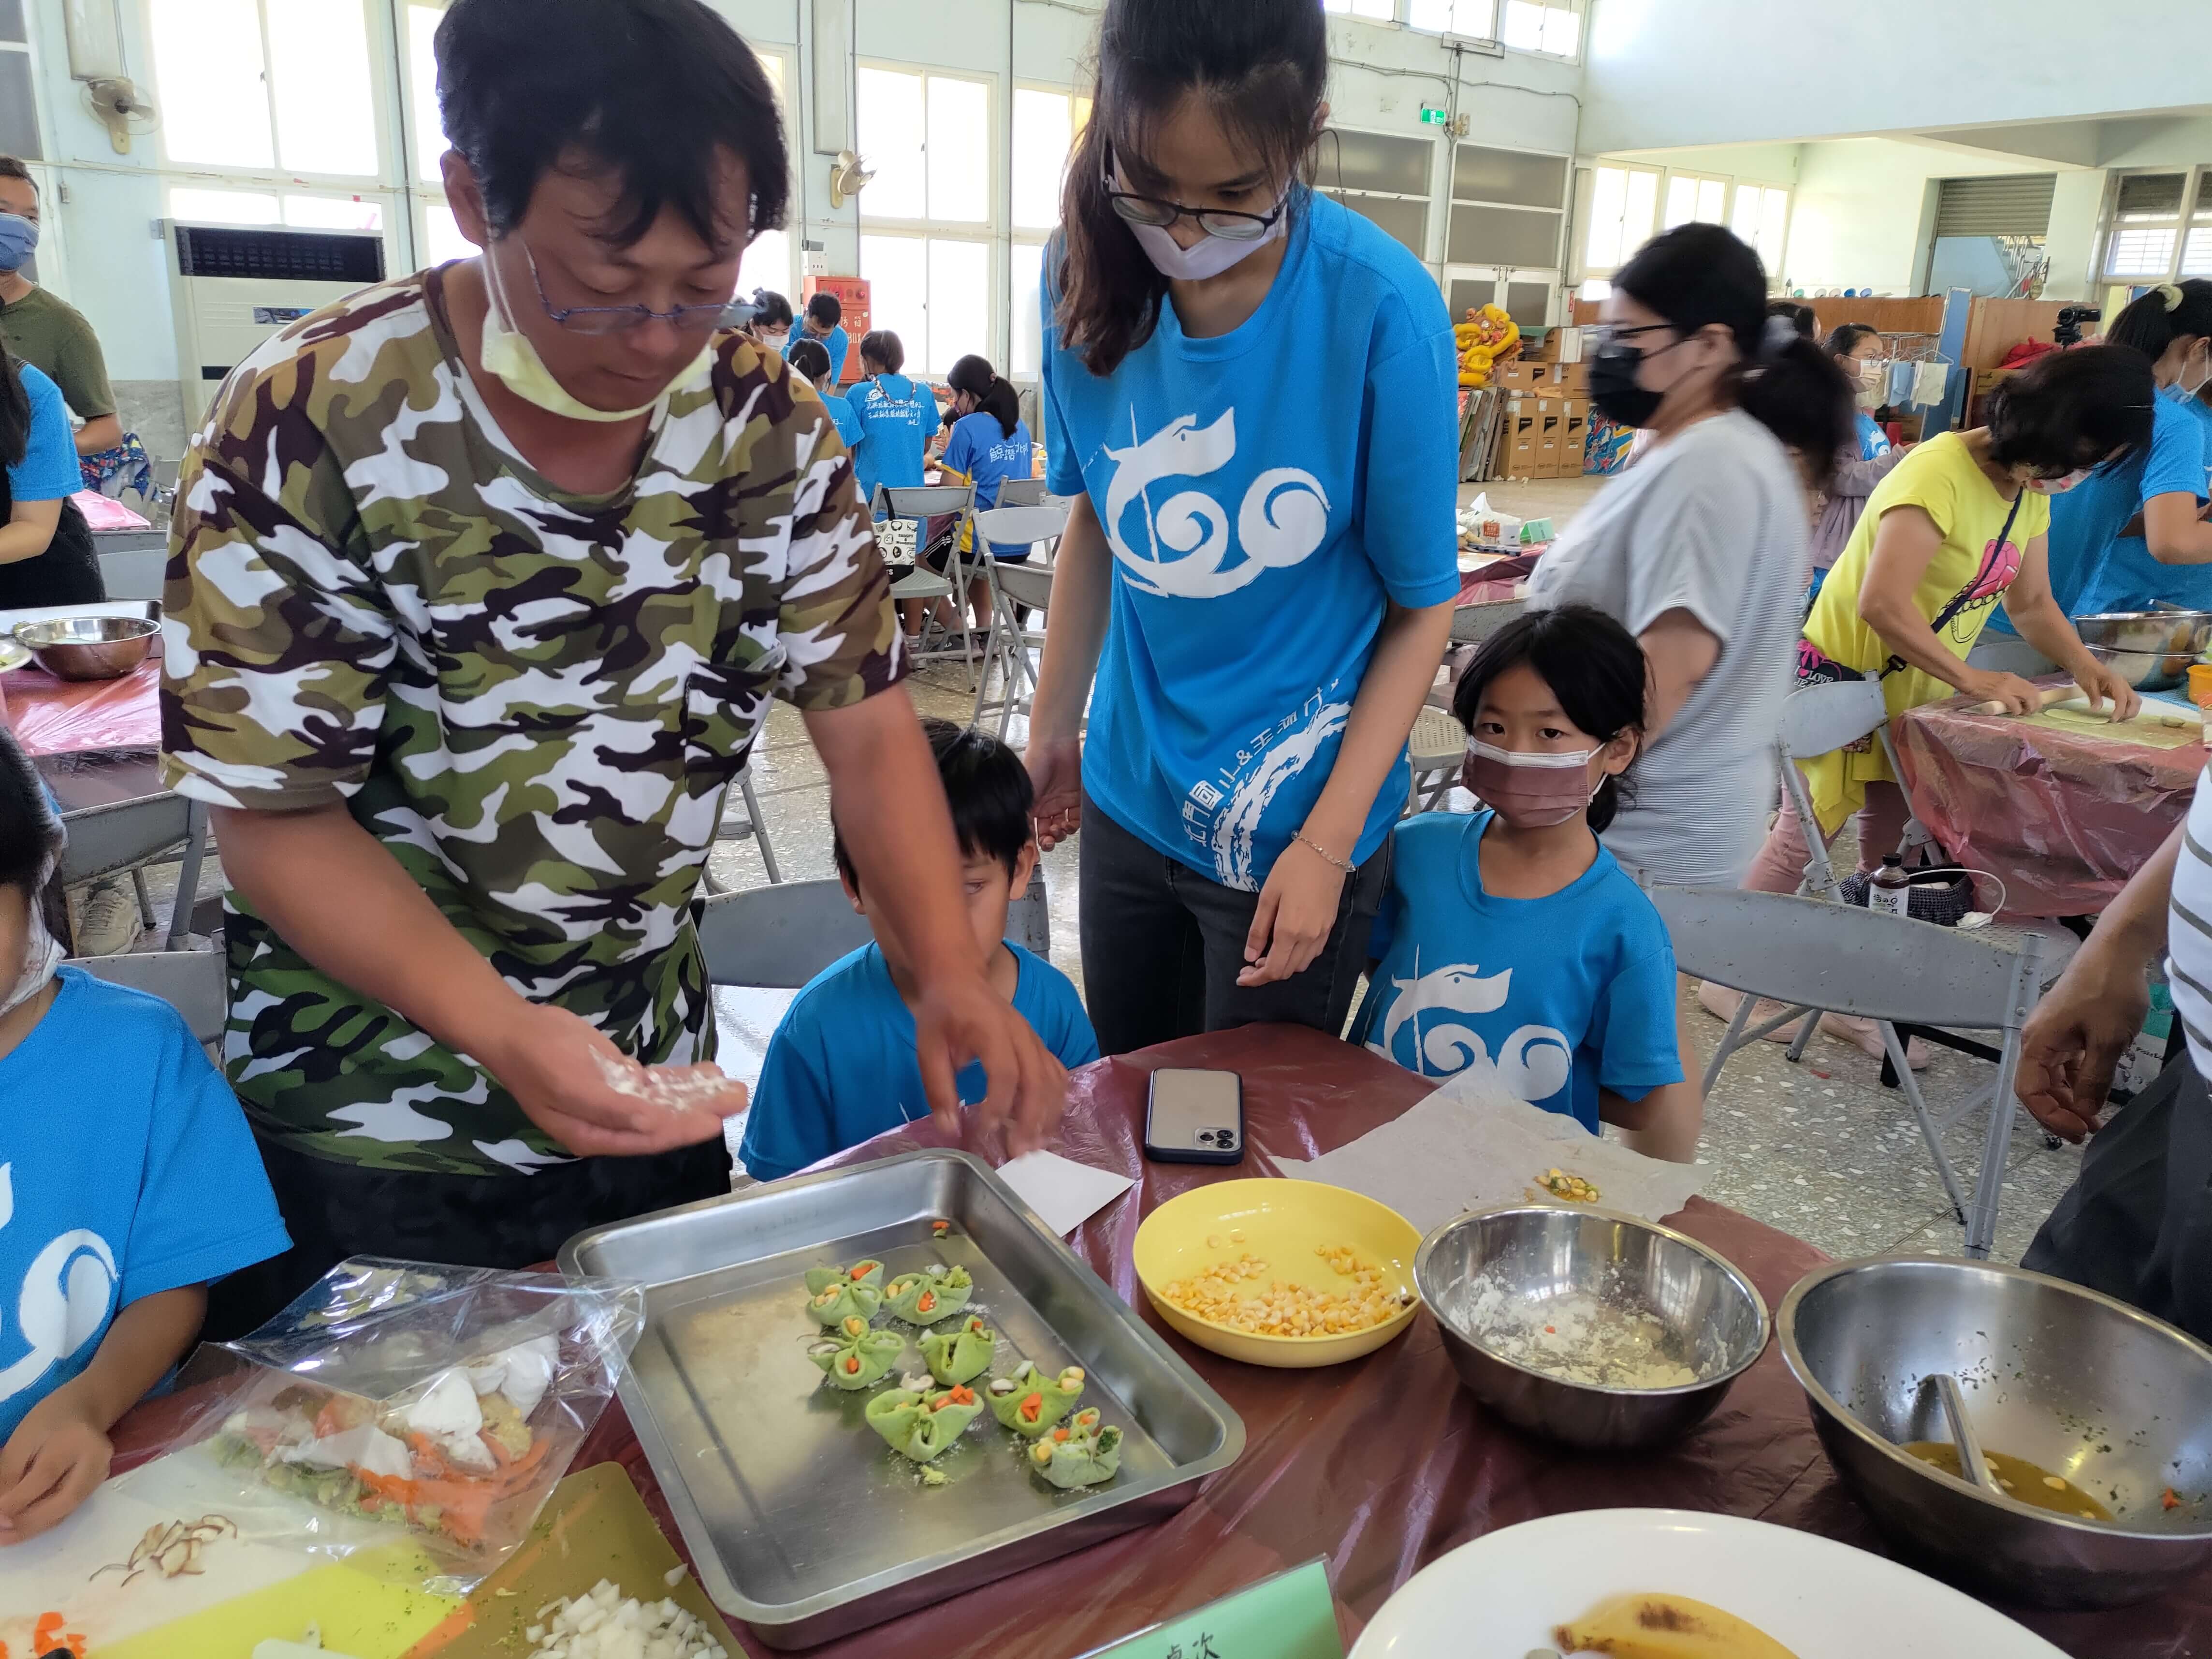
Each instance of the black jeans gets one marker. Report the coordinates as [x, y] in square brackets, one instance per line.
[2138, 1222]
[1162, 945]
[336, 1210]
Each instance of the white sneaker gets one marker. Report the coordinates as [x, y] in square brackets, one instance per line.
[106, 918]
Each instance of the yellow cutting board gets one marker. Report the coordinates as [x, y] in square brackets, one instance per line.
[365, 1609]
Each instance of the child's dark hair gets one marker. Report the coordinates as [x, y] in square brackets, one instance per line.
[2068, 410]
[994, 395]
[880, 346]
[1261, 67]
[1798, 315]
[1845, 336]
[31, 836]
[770, 309]
[1594, 666]
[811, 358]
[2156, 320]
[987, 788]
[825, 310]
[654, 90]
[1699, 274]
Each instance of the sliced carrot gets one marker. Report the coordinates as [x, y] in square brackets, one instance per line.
[1059, 1434]
[1031, 1408]
[852, 1366]
[926, 1302]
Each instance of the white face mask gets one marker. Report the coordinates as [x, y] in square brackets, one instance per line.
[1210, 256]
[42, 956]
[775, 339]
[507, 355]
[2058, 486]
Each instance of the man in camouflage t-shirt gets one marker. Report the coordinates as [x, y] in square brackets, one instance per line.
[481, 580]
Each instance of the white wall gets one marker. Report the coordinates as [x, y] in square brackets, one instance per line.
[1864, 209]
[1673, 72]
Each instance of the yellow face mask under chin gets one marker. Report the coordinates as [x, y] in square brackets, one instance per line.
[507, 355]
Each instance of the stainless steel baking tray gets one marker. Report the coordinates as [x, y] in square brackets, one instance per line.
[800, 1521]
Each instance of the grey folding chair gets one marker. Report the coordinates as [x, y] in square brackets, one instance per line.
[778, 937]
[1471, 624]
[2007, 654]
[1883, 968]
[929, 502]
[1029, 918]
[133, 573]
[748, 828]
[1022, 492]
[192, 981]
[1013, 588]
[1437, 746]
[130, 834]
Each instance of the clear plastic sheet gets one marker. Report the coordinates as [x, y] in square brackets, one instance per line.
[400, 1398]
[57, 717]
[2063, 818]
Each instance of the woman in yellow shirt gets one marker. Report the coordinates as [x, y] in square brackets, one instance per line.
[1957, 528]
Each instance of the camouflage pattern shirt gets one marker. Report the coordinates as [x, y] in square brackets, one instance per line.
[534, 700]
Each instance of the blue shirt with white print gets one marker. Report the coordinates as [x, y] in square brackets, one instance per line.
[1265, 492]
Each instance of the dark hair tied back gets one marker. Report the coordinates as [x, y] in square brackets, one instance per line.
[994, 395]
[2153, 321]
[2068, 410]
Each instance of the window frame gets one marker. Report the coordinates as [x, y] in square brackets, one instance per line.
[1564, 213]
[1578, 10]
[2196, 206]
[1021, 236]
[1775, 266]
[995, 187]
[1583, 267]
[1427, 198]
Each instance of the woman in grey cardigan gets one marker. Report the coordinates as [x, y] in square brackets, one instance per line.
[1860, 466]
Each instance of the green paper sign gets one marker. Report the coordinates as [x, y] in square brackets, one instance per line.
[1289, 1616]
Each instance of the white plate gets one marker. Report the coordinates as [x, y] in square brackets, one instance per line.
[1501, 1596]
[12, 655]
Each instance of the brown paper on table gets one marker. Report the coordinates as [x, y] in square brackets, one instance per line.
[1472, 1144]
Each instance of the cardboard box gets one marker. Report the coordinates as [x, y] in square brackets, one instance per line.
[1521, 374]
[1547, 459]
[1574, 378]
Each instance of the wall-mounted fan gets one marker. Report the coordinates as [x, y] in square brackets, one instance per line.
[848, 177]
[123, 110]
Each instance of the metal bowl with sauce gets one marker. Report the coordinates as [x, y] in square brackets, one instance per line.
[88, 648]
[2150, 649]
[2106, 1398]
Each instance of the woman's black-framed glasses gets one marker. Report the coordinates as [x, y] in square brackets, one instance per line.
[1606, 334]
[1224, 222]
[615, 320]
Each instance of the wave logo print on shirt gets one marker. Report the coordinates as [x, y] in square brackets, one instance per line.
[1284, 516]
[68, 1292]
[1532, 1063]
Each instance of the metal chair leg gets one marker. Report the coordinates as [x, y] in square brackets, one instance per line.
[145, 898]
[1996, 1144]
[760, 828]
[188, 878]
[1731, 1040]
[1804, 1037]
[1895, 1048]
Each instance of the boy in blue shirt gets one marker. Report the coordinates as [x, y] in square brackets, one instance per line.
[1510, 942]
[128, 1182]
[842, 1066]
[824, 311]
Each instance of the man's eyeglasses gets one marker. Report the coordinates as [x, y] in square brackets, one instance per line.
[615, 320]
[1224, 222]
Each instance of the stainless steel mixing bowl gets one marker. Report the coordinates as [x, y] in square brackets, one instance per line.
[1710, 1312]
[2150, 649]
[2110, 1399]
[88, 647]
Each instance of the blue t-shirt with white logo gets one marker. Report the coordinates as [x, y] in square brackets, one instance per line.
[2087, 520]
[1872, 441]
[978, 449]
[842, 1066]
[896, 416]
[2127, 578]
[1264, 493]
[127, 1168]
[841, 412]
[835, 343]
[1556, 997]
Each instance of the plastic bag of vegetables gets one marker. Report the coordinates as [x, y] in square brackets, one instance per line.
[397, 1400]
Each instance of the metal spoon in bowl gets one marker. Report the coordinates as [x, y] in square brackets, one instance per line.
[1971, 1464]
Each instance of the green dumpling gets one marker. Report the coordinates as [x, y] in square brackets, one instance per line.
[869, 1273]
[925, 1298]
[1088, 1456]
[1029, 1403]
[960, 1356]
[921, 1425]
[860, 1356]
[841, 1299]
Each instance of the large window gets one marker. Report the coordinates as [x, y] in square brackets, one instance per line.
[1694, 198]
[1380, 11]
[1047, 124]
[1532, 25]
[1761, 217]
[2160, 226]
[1623, 203]
[262, 85]
[926, 219]
[1477, 19]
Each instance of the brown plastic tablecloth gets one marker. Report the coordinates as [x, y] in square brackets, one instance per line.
[2063, 818]
[1383, 1464]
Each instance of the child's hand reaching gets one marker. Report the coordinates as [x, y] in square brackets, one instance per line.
[51, 1464]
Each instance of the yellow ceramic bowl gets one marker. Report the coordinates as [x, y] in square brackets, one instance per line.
[1283, 1223]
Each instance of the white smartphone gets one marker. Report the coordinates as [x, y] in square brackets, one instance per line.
[1196, 1117]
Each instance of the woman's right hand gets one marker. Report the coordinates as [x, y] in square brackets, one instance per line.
[1055, 767]
[2018, 695]
[595, 1100]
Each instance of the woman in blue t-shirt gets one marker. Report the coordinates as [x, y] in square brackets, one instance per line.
[46, 554]
[811, 359]
[987, 442]
[1251, 392]
[896, 416]
[2128, 535]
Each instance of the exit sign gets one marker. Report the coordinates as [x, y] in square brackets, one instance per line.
[1431, 116]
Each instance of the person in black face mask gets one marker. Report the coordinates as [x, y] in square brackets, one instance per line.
[1699, 550]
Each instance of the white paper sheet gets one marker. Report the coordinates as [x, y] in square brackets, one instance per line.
[1065, 1193]
[1472, 1144]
